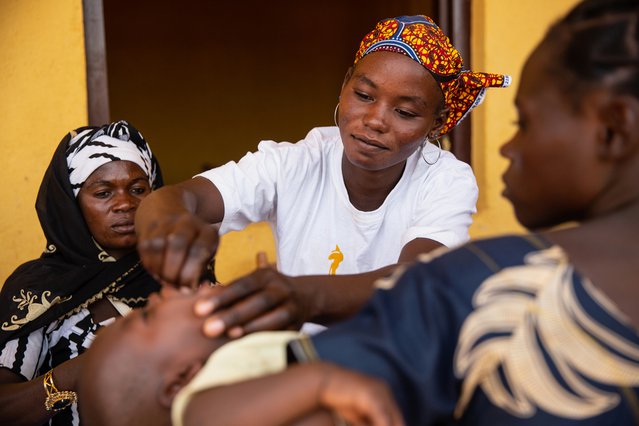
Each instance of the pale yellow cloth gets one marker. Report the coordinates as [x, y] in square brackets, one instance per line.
[122, 308]
[252, 356]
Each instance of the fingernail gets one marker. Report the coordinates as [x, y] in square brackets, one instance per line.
[203, 307]
[236, 332]
[213, 328]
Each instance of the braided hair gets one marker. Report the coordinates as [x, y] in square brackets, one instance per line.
[599, 46]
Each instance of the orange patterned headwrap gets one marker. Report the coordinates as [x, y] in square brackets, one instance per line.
[420, 39]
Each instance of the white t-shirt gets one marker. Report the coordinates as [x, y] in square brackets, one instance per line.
[299, 189]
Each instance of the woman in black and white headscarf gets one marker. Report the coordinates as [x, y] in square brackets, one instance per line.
[89, 273]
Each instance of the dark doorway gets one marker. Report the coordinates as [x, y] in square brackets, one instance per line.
[205, 81]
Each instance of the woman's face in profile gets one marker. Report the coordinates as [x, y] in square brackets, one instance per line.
[108, 201]
[554, 174]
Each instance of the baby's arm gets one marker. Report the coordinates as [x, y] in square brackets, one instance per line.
[301, 393]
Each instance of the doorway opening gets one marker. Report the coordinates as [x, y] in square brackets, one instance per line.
[206, 81]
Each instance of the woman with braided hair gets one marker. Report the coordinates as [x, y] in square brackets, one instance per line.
[352, 201]
[89, 273]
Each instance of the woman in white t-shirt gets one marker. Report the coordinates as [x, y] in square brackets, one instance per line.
[347, 204]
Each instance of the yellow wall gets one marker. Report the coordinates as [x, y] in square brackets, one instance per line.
[503, 34]
[237, 252]
[43, 95]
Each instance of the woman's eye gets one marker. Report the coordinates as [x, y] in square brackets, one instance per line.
[520, 124]
[406, 114]
[138, 190]
[520, 120]
[101, 194]
[363, 96]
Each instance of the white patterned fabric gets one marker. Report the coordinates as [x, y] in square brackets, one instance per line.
[33, 355]
[92, 148]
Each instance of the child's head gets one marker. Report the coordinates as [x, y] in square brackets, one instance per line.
[137, 364]
[574, 155]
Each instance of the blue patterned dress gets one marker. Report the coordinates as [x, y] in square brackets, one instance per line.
[502, 331]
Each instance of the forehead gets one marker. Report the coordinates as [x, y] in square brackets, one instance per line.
[168, 319]
[398, 70]
[541, 79]
[120, 169]
[535, 69]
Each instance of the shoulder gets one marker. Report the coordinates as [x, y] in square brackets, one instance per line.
[328, 134]
[449, 165]
[445, 173]
[480, 259]
[318, 139]
[34, 274]
[321, 145]
[493, 253]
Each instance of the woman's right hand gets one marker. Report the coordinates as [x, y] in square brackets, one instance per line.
[176, 238]
[175, 249]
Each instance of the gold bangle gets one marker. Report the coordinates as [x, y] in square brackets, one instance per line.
[56, 400]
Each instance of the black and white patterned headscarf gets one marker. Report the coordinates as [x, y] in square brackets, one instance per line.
[94, 147]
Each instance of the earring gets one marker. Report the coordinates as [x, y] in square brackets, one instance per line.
[439, 151]
[335, 114]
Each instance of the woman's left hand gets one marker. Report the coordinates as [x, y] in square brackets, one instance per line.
[263, 300]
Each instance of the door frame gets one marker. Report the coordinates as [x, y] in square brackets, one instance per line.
[95, 52]
[455, 19]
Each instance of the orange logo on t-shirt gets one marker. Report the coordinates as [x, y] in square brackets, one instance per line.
[336, 256]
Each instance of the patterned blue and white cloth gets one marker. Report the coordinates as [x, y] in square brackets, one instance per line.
[498, 332]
